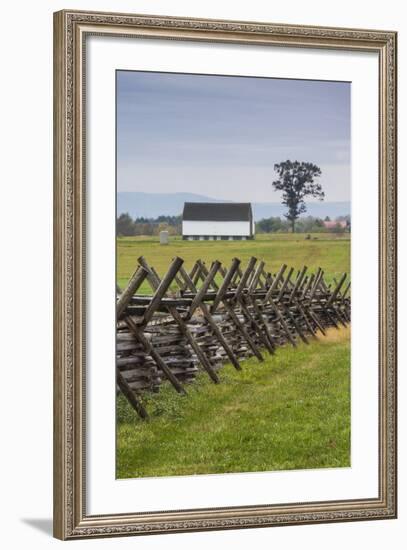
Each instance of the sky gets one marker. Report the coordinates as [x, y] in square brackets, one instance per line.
[220, 136]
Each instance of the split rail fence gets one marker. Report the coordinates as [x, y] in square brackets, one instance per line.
[212, 315]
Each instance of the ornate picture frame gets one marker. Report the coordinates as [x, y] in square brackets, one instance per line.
[71, 30]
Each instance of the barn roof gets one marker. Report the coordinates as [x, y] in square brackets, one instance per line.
[217, 211]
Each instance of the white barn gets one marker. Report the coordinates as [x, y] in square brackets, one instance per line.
[217, 221]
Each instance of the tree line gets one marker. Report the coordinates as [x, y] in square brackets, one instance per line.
[127, 227]
[309, 224]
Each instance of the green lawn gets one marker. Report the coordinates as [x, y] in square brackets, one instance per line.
[327, 250]
[290, 412]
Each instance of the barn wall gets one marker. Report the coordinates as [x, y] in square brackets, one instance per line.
[216, 228]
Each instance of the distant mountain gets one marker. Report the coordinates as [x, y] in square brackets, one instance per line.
[152, 205]
[315, 209]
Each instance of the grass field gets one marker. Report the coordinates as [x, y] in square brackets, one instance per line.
[290, 412]
[327, 250]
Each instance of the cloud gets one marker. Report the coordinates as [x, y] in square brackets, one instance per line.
[224, 134]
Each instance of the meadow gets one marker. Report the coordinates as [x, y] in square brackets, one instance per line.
[327, 250]
[290, 412]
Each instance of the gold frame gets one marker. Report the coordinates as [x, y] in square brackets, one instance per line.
[70, 31]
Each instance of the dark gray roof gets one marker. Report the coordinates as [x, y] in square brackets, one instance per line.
[217, 211]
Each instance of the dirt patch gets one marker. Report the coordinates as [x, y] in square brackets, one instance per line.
[334, 335]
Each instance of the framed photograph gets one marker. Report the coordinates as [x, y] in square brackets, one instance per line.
[225, 274]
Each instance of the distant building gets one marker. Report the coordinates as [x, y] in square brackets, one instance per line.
[334, 224]
[217, 221]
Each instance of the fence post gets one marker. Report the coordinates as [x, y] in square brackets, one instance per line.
[125, 297]
[130, 395]
[182, 326]
[209, 319]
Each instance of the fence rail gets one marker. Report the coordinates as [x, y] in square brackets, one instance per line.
[216, 314]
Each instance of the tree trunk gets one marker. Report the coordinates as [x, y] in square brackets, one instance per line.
[293, 225]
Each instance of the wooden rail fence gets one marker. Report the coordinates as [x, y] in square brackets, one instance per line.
[213, 315]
